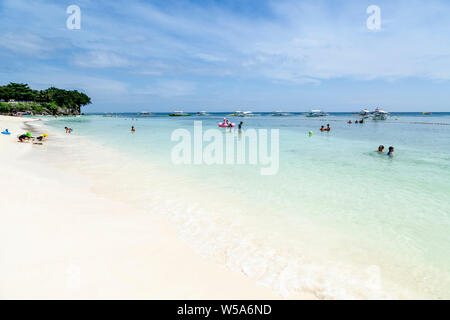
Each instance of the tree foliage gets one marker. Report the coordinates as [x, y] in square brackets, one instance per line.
[51, 97]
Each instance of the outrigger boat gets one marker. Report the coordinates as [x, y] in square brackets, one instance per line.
[279, 113]
[179, 114]
[243, 114]
[380, 114]
[365, 113]
[316, 113]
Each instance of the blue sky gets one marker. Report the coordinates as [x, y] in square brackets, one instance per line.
[228, 55]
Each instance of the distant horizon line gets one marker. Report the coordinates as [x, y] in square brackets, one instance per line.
[101, 112]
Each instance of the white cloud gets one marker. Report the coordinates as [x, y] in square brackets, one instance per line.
[209, 57]
[168, 88]
[30, 44]
[99, 59]
[297, 41]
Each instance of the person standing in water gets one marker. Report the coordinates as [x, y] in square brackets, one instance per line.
[240, 126]
[230, 125]
[381, 148]
[328, 128]
[391, 151]
[133, 129]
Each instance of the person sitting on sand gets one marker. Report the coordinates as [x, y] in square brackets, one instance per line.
[42, 138]
[391, 151]
[25, 137]
[381, 148]
[322, 128]
[328, 128]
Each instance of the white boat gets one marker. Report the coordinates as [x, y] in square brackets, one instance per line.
[243, 114]
[179, 114]
[365, 113]
[316, 113]
[202, 113]
[145, 113]
[279, 113]
[380, 114]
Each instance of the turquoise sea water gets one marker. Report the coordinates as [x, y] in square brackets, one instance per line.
[354, 223]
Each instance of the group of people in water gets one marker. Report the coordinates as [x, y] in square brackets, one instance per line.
[226, 122]
[328, 128]
[390, 150]
[356, 121]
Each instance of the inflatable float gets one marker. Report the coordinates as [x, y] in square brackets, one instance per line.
[6, 132]
[226, 124]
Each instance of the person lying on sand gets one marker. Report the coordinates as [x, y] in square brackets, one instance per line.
[25, 137]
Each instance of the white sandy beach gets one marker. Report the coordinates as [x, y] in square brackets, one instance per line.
[61, 240]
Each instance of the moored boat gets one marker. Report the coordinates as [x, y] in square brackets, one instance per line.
[380, 114]
[279, 113]
[179, 114]
[316, 113]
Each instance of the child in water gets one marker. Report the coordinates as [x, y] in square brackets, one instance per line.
[391, 151]
[133, 129]
[381, 148]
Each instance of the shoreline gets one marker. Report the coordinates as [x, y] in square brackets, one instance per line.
[61, 240]
[129, 183]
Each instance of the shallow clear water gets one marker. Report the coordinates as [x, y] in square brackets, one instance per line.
[335, 202]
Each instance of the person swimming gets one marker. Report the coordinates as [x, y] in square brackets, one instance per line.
[381, 148]
[133, 129]
[322, 128]
[328, 128]
[391, 151]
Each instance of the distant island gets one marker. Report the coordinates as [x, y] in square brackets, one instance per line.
[20, 98]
